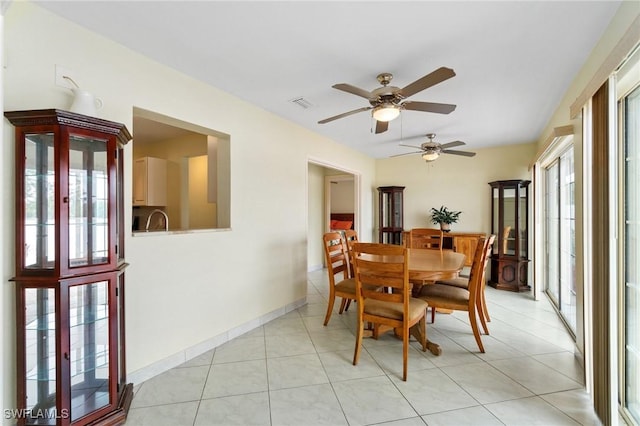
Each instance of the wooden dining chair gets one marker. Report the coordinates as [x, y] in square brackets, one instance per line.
[386, 265]
[425, 238]
[461, 299]
[350, 236]
[341, 284]
[464, 283]
[428, 238]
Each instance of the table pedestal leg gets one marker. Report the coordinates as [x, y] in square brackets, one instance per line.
[434, 348]
[415, 331]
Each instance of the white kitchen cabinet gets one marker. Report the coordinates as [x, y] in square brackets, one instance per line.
[150, 182]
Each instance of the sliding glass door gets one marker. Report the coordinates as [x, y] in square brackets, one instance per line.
[559, 236]
[631, 275]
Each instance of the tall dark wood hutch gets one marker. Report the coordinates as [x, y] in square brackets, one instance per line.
[390, 205]
[510, 224]
[69, 269]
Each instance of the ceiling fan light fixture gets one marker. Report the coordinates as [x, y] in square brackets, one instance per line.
[386, 112]
[430, 156]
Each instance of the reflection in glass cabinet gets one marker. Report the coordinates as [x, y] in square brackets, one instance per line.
[39, 183]
[88, 186]
[40, 348]
[89, 348]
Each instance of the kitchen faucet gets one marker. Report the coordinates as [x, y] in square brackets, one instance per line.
[166, 219]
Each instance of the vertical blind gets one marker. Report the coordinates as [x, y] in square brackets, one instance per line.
[600, 268]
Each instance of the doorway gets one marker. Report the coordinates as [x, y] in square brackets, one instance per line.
[329, 189]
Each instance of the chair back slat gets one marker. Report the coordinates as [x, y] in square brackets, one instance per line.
[425, 238]
[335, 256]
[488, 247]
[382, 265]
[350, 237]
[475, 274]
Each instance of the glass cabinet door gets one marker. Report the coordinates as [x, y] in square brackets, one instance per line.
[391, 215]
[40, 352]
[119, 200]
[89, 347]
[522, 223]
[397, 210]
[495, 214]
[88, 201]
[39, 202]
[387, 208]
[509, 226]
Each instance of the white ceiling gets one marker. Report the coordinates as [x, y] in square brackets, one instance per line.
[513, 60]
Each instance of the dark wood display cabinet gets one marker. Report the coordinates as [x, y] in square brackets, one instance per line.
[391, 214]
[510, 224]
[69, 269]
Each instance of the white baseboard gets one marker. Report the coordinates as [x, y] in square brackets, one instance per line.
[312, 268]
[172, 361]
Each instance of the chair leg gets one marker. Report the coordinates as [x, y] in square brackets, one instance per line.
[329, 310]
[419, 331]
[485, 311]
[482, 318]
[343, 305]
[433, 314]
[476, 331]
[360, 332]
[405, 352]
[346, 307]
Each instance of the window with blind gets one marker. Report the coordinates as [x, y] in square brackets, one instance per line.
[628, 91]
[631, 295]
[559, 238]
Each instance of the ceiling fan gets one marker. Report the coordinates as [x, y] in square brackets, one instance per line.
[431, 150]
[387, 101]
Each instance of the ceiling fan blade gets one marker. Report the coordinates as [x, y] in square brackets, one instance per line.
[381, 126]
[437, 76]
[429, 107]
[452, 144]
[344, 114]
[407, 153]
[463, 153]
[411, 146]
[353, 90]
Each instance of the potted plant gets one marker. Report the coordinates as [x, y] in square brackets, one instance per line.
[444, 217]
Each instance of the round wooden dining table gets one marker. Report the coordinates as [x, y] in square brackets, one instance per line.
[431, 265]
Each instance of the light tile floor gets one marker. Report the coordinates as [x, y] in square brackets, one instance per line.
[294, 371]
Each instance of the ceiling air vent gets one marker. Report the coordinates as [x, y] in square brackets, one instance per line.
[301, 102]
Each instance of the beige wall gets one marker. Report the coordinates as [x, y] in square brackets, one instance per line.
[342, 196]
[316, 210]
[460, 183]
[202, 213]
[182, 290]
[626, 14]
